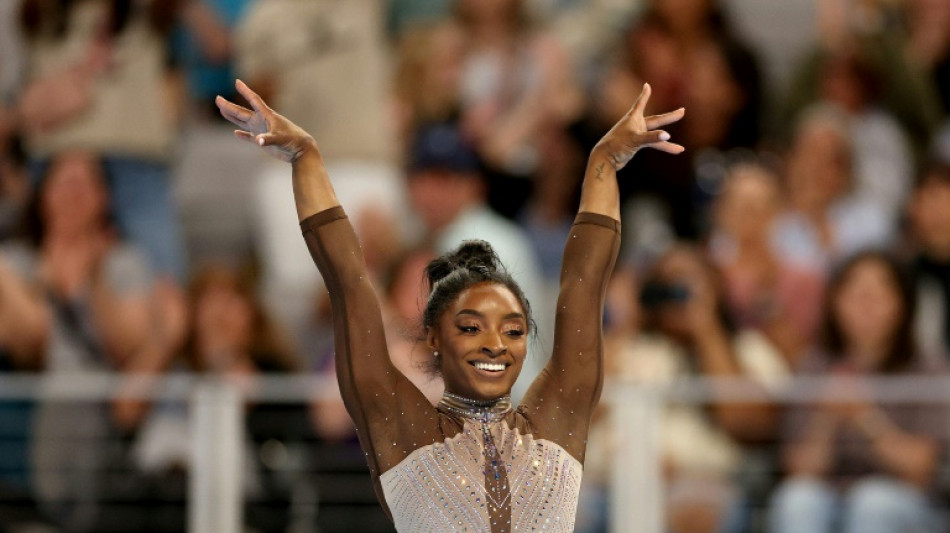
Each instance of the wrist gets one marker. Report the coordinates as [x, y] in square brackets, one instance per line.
[308, 153]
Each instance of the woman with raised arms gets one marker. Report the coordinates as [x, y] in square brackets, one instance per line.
[473, 462]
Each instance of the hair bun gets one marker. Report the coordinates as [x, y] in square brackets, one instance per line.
[476, 256]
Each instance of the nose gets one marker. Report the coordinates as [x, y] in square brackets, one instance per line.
[494, 347]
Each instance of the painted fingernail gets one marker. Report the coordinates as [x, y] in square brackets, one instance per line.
[664, 136]
[260, 140]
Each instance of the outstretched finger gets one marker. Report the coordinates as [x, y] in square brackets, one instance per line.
[641, 104]
[668, 147]
[658, 121]
[270, 139]
[252, 97]
[244, 135]
[236, 114]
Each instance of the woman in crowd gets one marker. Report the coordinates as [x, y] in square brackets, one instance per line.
[853, 464]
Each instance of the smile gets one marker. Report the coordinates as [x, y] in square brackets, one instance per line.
[489, 367]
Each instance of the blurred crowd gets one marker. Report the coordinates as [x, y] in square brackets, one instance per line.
[805, 231]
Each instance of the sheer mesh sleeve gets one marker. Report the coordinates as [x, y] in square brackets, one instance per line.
[561, 400]
[392, 417]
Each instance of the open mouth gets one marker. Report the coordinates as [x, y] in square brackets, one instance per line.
[489, 367]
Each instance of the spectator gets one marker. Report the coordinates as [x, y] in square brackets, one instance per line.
[866, 466]
[281, 47]
[98, 79]
[866, 31]
[518, 95]
[232, 338]
[764, 292]
[687, 333]
[930, 217]
[77, 300]
[427, 76]
[824, 222]
[204, 46]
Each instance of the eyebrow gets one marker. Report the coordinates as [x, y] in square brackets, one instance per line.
[473, 312]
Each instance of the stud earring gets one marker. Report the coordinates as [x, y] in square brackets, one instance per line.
[436, 353]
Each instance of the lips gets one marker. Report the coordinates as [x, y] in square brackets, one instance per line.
[490, 369]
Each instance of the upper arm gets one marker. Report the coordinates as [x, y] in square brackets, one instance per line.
[569, 386]
[376, 394]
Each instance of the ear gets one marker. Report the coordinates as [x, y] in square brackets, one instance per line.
[431, 338]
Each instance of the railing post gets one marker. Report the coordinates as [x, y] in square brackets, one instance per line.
[636, 495]
[216, 477]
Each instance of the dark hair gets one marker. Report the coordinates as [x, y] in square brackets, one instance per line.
[933, 172]
[32, 225]
[471, 263]
[903, 349]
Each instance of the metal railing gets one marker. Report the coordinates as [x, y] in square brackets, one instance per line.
[215, 501]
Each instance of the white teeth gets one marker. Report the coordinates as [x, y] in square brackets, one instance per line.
[491, 367]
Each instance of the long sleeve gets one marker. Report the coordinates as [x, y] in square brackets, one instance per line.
[392, 417]
[561, 400]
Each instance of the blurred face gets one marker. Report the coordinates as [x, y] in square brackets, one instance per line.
[74, 196]
[482, 342]
[407, 294]
[711, 87]
[818, 170]
[440, 196]
[930, 214]
[223, 321]
[867, 308]
[748, 204]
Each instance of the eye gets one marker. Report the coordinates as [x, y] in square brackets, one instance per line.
[468, 329]
[515, 332]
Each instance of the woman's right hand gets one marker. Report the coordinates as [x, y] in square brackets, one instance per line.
[634, 131]
[263, 126]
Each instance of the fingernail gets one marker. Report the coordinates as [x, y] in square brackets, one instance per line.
[664, 136]
[260, 140]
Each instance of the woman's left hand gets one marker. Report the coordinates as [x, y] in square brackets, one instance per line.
[263, 126]
[634, 131]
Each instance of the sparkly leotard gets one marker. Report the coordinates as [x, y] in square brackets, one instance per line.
[464, 465]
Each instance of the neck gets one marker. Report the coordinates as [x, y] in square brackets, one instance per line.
[470, 408]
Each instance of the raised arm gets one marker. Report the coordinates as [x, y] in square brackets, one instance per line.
[568, 388]
[373, 390]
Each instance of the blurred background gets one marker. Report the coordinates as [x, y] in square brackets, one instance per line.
[804, 235]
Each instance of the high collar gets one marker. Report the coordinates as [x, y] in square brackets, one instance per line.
[490, 410]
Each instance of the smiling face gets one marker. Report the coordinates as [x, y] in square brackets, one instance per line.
[482, 342]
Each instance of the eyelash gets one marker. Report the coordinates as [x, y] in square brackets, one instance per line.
[474, 329]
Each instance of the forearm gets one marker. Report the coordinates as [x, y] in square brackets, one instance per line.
[24, 320]
[313, 191]
[123, 322]
[811, 456]
[752, 420]
[912, 458]
[599, 191]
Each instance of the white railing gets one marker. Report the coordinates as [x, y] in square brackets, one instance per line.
[215, 501]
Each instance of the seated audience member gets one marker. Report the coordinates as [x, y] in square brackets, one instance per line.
[929, 213]
[763, 291]
[75, 299]
[687, 333]
[232, 338]
[97, 77]
[855, 464]
[824, 222]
